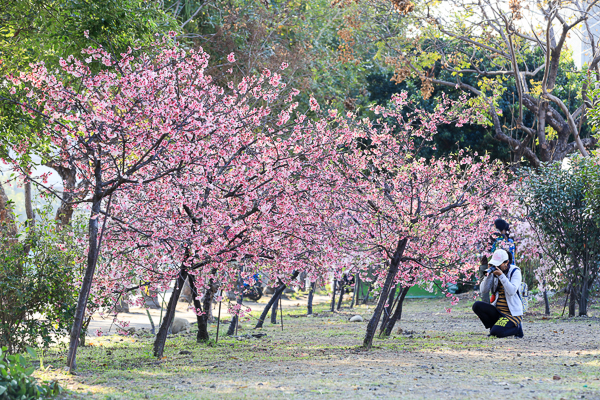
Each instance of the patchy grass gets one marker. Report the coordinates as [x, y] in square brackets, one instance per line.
[436, 355]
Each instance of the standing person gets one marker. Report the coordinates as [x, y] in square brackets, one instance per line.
[500, 240]
[504, 315]
[503, 239]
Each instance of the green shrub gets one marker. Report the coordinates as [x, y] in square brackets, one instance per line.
[16, 382]
[37, 285]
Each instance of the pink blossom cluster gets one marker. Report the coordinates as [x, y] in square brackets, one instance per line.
[185, 175]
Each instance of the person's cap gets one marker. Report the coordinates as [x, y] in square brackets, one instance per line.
[501, 225]
[499, 257]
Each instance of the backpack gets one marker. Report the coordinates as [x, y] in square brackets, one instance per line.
[523, 292]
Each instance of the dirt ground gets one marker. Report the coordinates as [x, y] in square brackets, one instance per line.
[437, 355]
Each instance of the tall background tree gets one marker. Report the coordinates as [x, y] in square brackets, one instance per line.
[513, 52]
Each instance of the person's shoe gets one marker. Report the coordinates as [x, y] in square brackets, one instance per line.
[519, 334]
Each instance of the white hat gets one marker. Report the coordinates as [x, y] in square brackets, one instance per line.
[499, 257]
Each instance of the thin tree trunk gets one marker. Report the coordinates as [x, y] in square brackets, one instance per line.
[311, 295]
[234, 321]
[274, 310]
[29, 205]
[397, 312]
[583, 294]
[151, 322]
[202, 319]
[572, 301]
[391, 275]
[86, 285]
[342, 287]
[165, 326]
[546, 301]
[265, 312]
[239, 299]
[387, 311]
[333, 296]
[354, 291]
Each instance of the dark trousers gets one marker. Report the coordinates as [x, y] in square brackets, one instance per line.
[491, 318]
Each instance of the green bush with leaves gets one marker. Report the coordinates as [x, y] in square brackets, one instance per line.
[16, 382]
[557, 201]
[37, 284]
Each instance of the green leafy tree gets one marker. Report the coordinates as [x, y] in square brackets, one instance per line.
[555, 199]
[485, 49]
[37, 284]
[34, 31]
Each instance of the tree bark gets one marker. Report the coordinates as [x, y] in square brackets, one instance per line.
[311, 295]
[29, 205]
[354, 291]
[546, 303]
[64, 214]
[397, 312]
[387, 311]
[278, 291]
[391, 275]
[274, 310]
[333, 296]
[342, 287]
[572, 301]
[84, 291]
[239, 299]
[202, 320]
[163, 330]
[583, 294]
[234, 321]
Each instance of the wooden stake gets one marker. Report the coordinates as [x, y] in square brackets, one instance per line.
[218, 323]
[281, 310]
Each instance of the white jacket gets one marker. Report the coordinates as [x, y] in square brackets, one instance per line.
[511, 288]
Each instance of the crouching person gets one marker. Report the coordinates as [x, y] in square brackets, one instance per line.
[504, 315]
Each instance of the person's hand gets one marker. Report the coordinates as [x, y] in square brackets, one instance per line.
[497, 272]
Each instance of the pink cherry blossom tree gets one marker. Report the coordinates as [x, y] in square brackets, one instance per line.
[139, 124]
[414, 220]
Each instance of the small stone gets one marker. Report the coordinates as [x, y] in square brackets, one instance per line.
[556, 378]
[213, 386]
[356, 318]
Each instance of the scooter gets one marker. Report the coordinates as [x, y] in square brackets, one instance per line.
[255, 291]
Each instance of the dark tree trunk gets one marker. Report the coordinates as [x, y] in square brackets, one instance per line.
[572, 301]
[274, 309]
[354, 292]
[397, 312]
[275, 296]
[86, 285]
[333, 296]
[311, 295]
[584, 293]
[234, 321]
[270, 304]
[387, 311]
[202, 320]
[165, 326]
[342, 287]
[546, 301]
[391, 275]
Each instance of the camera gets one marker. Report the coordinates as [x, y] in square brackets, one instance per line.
[490, 269]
